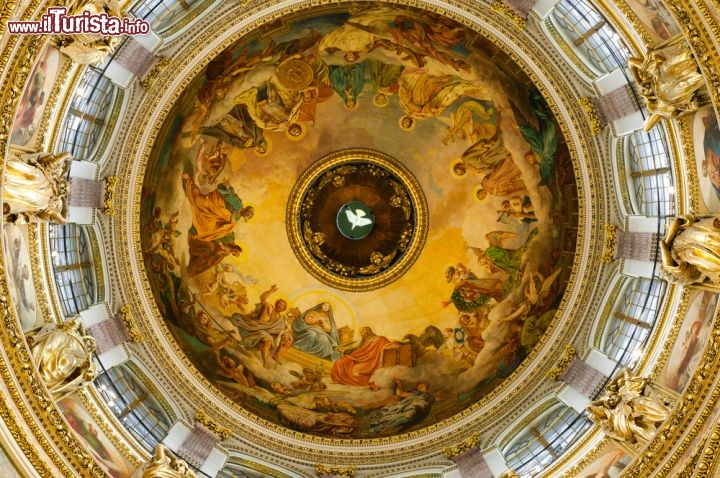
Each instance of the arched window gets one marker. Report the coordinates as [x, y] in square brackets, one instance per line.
[86, 120]
[73, 267]
[137, 408]
[590, 35]
[163, 14]
[633, 319]
[650, 176]
[545, 440]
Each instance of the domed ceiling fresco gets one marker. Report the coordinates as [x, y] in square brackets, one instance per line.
[359, 224]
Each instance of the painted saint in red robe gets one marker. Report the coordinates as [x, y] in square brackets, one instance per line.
[358, 367]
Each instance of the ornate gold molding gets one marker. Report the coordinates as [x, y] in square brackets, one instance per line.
[160, 65]
[219, 430]
[569, 353]
[348, 471]
[609, 244]
[108, 207]
[515, 16]
[590, 110]
[471, 442]
[710, 455]
[127, 319]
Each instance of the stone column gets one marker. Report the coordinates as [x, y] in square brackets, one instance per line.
[206, 433]
[515, 10]
[472, 464]
[114, 331]
[135, 58]
[640, 246]
[583, 378]
[522, 6]
[470, 461]
[85, 193]
[616, 104]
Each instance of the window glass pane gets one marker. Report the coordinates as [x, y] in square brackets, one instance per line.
[633, 319]
[590, 35]
[136, 408]
[72, 267]
[650, 172]
[543, 442]
[87, 116]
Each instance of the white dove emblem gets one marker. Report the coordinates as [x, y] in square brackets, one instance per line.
[357, 218]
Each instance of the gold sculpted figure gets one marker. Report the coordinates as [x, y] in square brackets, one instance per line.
[35, 188]
[88, 48]
[670, 82]
[166, 465]
[628, 411]
[691, 251]
[63, 355]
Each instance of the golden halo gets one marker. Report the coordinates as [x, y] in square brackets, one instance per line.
[267, 150]
[403, 126]
[300, 135]
[381, 103]
[476, 190]
[454, 165]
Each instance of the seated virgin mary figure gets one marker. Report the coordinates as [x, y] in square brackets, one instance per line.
[315, 332]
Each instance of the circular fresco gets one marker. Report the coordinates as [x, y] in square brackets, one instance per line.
[357, 219]
[480, 280]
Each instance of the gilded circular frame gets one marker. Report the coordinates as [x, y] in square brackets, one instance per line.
[304, 242]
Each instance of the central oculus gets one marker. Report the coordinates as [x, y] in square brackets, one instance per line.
[357, 219]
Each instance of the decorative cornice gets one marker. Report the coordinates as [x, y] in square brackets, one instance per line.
[348, 471]
[127, 319]
[515, 16]
[471, 442]
[558, 370]
[610, 243]
[108, 207]
[219, 430]
[590, 110]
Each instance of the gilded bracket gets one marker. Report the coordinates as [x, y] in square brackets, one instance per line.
[610, 243]
[591, 111]
[219, 430]
[347, 471]
[127, 319]
[468, 444]
[109, 196]
[558, 370]
[517, 18]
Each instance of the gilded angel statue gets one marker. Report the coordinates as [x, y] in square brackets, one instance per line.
[35, 187]
[63, 355]
[164, 464]
[90, 48]
[690, 251]
[629, 411]
[670, 82]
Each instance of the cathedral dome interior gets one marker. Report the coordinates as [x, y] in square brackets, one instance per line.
[325, 238]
